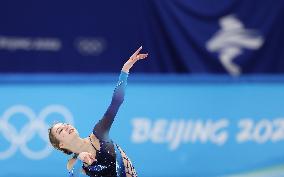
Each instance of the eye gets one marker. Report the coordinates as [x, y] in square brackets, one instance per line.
[60, 131]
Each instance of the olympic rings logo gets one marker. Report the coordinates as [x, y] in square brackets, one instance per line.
[36, 125]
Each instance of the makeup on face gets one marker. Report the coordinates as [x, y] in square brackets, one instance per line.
[64, 127]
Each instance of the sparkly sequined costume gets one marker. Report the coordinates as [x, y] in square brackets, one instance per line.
[109, 159]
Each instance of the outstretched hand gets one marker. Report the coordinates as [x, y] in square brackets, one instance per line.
[134, 57]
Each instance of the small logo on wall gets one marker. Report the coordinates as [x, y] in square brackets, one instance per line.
[231, 40]
[89, 46]
[36, 125]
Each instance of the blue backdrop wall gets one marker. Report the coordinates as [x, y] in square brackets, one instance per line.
[235, 37]
[185, 126]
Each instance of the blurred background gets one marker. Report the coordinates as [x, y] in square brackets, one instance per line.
[207, 102]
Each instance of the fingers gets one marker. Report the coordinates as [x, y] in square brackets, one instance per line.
[92, 158]
[133, 59]
[142, 56]
[87, 157]
[87, 160]
[137, 51]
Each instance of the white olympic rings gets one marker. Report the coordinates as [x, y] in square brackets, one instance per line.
[36, 124]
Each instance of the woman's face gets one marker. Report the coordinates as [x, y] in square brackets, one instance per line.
[65, 133]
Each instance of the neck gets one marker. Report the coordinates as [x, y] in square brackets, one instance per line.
[80, 145]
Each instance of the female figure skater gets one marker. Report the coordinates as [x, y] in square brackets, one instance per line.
[97, 155]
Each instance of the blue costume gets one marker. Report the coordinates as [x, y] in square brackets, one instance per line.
[109, 161]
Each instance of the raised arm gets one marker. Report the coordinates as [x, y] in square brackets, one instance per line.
[101, 129]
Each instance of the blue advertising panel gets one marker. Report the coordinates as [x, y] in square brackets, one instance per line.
[167, 128]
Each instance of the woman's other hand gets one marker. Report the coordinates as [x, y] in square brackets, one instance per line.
[86, 157]
[135, 57]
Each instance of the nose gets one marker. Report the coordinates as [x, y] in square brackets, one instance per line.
[68, 127]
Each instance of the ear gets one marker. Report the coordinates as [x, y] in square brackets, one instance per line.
[61, 145]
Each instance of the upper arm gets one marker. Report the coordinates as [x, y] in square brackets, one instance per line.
[70, 163]
[77, 171]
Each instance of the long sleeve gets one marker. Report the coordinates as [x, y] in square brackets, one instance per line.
[101, 129]
[76, 171]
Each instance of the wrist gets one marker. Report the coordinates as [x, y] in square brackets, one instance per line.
[126, 68]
